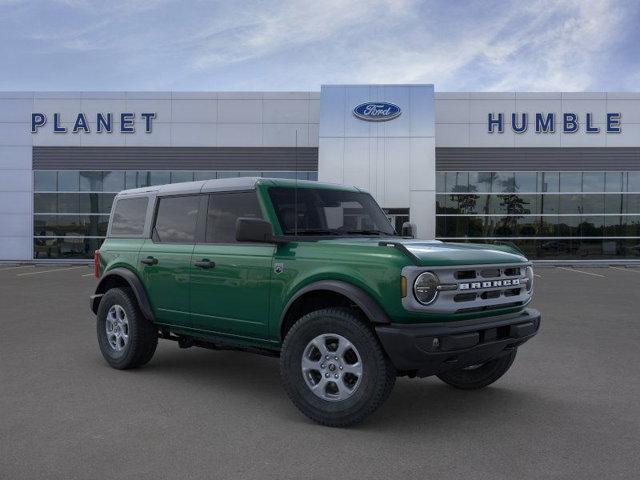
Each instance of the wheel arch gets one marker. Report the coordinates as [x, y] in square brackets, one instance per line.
[123, 277]
[322, 293]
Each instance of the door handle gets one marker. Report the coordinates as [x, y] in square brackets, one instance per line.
[204, 263]
[149, 261]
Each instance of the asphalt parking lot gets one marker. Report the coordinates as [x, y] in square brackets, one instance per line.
[569, 408]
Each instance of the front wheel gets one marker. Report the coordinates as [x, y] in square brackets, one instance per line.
[479, 376]
[334, 369]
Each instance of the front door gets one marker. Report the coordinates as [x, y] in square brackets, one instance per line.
[230, 281]
[165, 259]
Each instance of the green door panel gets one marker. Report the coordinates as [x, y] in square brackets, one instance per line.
[233, 296]
[167, 282]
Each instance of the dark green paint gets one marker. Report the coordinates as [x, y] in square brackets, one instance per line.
[242, 298]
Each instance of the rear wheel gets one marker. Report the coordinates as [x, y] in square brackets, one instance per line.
[126, 338]
[334, 369]
[479, 376]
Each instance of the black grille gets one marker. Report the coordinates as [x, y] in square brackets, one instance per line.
[465, 275]
[490, 272]
[489, 307]
[465, 297]
[491, 294]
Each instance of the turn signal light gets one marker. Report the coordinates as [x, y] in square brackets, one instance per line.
[403, 286]
[96, 263]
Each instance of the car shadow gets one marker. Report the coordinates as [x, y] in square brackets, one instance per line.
[413, 404]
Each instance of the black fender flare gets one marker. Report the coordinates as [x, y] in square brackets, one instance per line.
[134, 283]
[362, 299]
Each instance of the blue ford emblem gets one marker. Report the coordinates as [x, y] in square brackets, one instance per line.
[377, 111]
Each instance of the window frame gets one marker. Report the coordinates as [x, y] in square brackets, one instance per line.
[113, 211]
[320, 236]
[154, 218]
[204, 217]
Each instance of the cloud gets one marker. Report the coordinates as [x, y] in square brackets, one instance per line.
[541, 46]
[297, 45]
[288, 24]
[561, 49]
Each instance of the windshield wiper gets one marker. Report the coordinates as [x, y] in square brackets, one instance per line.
[315, 231]
[368, 232]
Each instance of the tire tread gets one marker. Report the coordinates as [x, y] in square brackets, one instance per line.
[143, 337]
[482, 377]
[381, 393]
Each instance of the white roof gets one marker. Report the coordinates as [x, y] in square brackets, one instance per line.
[222, 184]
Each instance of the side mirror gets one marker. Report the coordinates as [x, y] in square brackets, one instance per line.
[253, 230]
[408, 230]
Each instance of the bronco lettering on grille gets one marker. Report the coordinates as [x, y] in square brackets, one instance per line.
[491, 284]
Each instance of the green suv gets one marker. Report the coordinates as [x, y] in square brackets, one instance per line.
[315, 274]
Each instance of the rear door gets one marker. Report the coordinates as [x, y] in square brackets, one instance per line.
[230, 281]
[165, 258]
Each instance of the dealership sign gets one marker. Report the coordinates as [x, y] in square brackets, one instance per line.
[102, 122]
[377, 111]
[551, 122]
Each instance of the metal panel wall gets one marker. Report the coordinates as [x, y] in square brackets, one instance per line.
[536, 159]
[175, 158]
[394, 160]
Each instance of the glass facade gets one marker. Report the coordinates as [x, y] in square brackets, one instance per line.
[71, 208]
[549, 215]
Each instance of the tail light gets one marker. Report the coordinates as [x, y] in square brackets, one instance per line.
[96, 263]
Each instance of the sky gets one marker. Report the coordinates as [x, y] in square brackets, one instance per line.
[184, 45]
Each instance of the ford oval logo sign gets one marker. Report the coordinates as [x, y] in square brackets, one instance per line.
[377, 111]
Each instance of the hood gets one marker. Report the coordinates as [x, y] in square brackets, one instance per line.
[436, 253]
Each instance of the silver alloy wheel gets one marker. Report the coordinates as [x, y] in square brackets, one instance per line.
[332, 367]
[117, 328]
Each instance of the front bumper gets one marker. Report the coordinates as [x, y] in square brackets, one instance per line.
[429, 349]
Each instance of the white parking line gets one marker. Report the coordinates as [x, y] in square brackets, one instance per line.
[14, 268]
[632, 270]
[536, 275]
[49, 271]
[580, 271]
[88, 275]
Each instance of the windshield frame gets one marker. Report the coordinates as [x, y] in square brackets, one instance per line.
[375, 213]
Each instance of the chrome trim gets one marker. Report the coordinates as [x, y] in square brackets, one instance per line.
[437, 290]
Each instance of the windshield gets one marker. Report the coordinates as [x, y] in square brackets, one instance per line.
[328, 212]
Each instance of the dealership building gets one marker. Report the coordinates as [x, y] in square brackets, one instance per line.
[558, 174]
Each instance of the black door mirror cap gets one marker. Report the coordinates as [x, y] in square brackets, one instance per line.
[408, 230]
[254, 230]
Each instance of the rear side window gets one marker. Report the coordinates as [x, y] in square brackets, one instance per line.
[176, 219]
[224, 209]
[128, 217]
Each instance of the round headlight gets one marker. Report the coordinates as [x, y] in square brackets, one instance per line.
[425, 288]
[529, 274]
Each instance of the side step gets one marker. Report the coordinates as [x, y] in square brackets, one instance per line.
[188, 342]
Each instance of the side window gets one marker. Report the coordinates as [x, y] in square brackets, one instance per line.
[176, 219]
[224, 209]
[128, 217]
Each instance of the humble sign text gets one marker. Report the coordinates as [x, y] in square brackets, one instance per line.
[551, 122]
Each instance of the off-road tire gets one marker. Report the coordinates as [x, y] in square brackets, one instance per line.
[143, 336]
[378, 375]
[480, 377]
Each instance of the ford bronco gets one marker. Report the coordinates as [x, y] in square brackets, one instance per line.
[312, 273]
